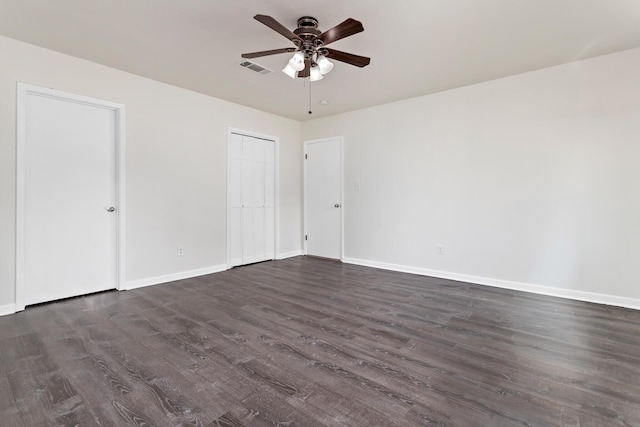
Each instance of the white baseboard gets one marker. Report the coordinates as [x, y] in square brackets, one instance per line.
[506, 284]
[7, 309]
[175, 276]
[289, 254]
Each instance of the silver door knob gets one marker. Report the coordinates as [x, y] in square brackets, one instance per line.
[111, 209]
[337, 205]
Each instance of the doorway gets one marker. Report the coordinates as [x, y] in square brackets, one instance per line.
[323, 198]
[251, 198]
[70, 201]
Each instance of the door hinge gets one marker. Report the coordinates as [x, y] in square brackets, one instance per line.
[305, 157]
[305, 237]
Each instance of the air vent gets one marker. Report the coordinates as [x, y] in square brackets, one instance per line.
[255, 67]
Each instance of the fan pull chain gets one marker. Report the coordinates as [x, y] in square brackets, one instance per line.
[310, 112]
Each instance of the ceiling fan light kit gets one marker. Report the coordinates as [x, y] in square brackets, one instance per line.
[290, 71]
[297, 61]
[311, 57]
[324, 64]
[315, 74]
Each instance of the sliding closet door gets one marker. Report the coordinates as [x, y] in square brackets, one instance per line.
[251, 199]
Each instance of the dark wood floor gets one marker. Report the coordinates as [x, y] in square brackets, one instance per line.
[309, 342]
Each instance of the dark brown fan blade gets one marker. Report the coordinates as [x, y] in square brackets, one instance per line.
[340, 31]
[268, 52]
[307, 69]
[349, 58]
[276, 26]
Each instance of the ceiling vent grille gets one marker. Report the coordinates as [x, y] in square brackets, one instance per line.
[255, 67]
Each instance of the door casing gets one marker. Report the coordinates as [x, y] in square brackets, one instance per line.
[23, 91]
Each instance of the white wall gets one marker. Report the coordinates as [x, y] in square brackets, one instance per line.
[176, 164]
[528, 182]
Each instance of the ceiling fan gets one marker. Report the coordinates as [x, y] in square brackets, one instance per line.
[311, 56]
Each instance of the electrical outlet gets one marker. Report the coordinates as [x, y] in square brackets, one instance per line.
[180, 251]
[440, 250]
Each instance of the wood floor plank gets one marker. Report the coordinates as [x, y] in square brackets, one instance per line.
[9, 412]
[310, 342]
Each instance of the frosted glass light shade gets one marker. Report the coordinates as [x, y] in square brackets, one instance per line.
[297, 61]
[324, 64]
[290, 71]
[315, 74]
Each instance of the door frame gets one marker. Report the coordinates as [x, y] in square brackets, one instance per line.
[276, 185]
[305, 221]
[23, 90]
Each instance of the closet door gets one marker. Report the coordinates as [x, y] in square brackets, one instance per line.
[251, 199]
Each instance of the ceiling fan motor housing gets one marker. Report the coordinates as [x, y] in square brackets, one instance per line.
[308, 22]
[308, 32]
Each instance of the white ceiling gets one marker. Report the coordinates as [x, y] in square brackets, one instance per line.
[417, 46]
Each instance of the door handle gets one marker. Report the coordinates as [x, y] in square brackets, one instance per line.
[337, 205]
[111, 209]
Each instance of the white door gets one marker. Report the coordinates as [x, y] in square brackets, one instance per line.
[323, 198]
[68, 211]
[251, 185]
